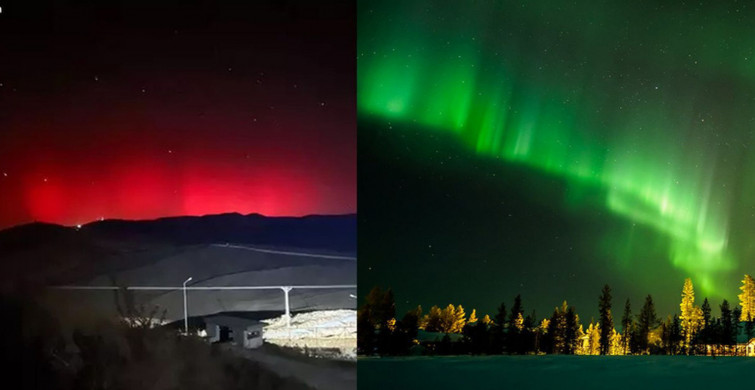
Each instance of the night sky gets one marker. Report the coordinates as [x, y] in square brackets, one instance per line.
[139, 110]
[546, 149]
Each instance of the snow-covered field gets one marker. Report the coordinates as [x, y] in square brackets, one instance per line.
[324, 329]
[552, 372]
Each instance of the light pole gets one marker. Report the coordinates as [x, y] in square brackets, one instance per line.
[186, 308]
[286, 290]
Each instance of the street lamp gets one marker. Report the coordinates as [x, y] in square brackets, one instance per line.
[286, 290]
[186, 308]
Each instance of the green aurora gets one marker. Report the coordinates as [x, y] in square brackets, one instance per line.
[650, 105]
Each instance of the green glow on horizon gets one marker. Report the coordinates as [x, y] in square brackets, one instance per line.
[575, 114]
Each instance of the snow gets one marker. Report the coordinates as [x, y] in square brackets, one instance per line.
[323, 329]
[325, 323]
[536, 372]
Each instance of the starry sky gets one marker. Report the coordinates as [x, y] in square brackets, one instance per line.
[140, 109]
[547, 148]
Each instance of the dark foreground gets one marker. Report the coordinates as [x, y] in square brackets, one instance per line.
[557, 372]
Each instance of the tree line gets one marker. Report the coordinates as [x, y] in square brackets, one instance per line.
[449, 330]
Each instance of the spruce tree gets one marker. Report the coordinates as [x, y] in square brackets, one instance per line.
[747, 299]
[706, 312]
[498, 329]
[459, 320]
[626, 325]
[593, 334]
[570, 333]
[554, 340]
[691, 315]
[434, 320]
[500, 316]
[448, 319]
[647, 321]
[472, 317]
[606, 320]
[387, 306]
[704, 336]
[735, 326]
[727, 332]
[516, 323]
[528, 335]
[516, 310]
[557, 330]
[366, 335]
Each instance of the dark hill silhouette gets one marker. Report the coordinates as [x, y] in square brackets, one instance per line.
[335, 233]
[39, 254]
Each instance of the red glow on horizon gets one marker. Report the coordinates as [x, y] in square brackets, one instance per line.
[142, 179]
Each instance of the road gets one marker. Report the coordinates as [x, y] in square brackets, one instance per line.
[321, 374]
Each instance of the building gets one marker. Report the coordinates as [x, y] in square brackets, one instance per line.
[236, 330]
[745, 345]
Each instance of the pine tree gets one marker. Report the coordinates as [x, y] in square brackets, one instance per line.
[381, 304]
[706, 312]
[593, 333]
[727, 320]
[434, 320]
[486, 320]
[529, 342]
[406, 332]
[582, 342]
[616, 343]
[497, 331]
[556, 332]
[626, 325]
[448, 319]
[646, 321]
[747, 299]
[692, 316]
[366, 336]
[472, 317]
[735, 325]
[571, 331]
[542, 342]
[519, 323]
[606, 320]
[516, 310]
[516, 323]
[676, 334]
[389, 303]
[500, 316]
[704, 336]
[459, 320]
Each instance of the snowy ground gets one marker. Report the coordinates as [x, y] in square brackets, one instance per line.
[333, 330]
[539, 372]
